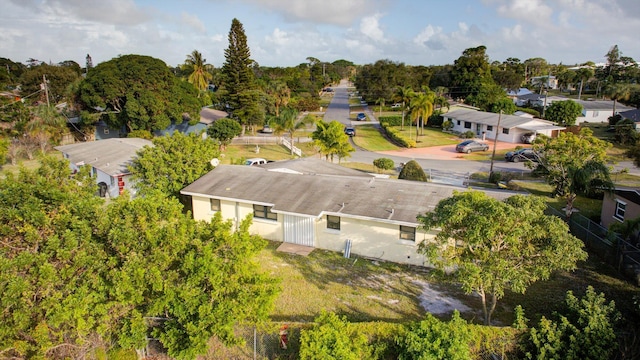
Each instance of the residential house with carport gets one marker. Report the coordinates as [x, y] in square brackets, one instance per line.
[507, 128]
[318, 204]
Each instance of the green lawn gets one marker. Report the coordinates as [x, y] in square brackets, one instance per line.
[364, 290]
[428, 137]
[370, 138]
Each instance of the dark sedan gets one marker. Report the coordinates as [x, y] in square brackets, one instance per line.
[521, 155]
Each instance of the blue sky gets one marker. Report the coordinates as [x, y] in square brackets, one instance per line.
[286, 32]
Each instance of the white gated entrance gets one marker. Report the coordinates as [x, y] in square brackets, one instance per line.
[299, 230]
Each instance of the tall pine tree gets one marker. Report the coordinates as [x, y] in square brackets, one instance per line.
[240, 91]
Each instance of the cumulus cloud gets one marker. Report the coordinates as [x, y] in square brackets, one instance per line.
[120, 12]
[370, 27]
[193, 21]
[337, 12]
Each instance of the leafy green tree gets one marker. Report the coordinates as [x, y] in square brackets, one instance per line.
[469, 72]
[50, 267]
[281, 94]
[626, 133]
[197, 279]
[492, 98]
[238, 77]
[432, 339]
[224, 130]
[139, 92]
[332, 140]
[585, 330]
[58, 79]
[412, 171]
[618, 92]
[383, 163]
[491, 246]
[574, 164]
[634, 153]
[172, 163]
[196, 68]
[11, 74]
[331, 338]
[564, 112]
[78, 274]
[583, 74]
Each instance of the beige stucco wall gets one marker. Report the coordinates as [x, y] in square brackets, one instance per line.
[369, 238]
[607, 213]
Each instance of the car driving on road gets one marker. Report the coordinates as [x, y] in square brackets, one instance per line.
[468, 146]
[361, 117]
[350, 131]
[521, 155]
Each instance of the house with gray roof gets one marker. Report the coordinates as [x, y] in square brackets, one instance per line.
[599, 111]
[633, 115]
[510, 128]
[315, 203]
[109, 160]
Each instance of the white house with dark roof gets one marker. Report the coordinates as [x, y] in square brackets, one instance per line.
[318, 204]
[109, 160]
[511, 128]
[633, 115]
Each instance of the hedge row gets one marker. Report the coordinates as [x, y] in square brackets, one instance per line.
[393, 134]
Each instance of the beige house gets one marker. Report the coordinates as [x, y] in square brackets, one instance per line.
[621, 205]
[318, 204]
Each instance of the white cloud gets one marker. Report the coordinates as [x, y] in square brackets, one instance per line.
[427, 34]
[370, 27]
[193, 21]
[338, 12]
[278, 37]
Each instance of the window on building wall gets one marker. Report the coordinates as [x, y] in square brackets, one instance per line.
[489, 128]
[407, 233]
[458, 122]
[505, 131]
[620, 209]
[467, 125]
[596, 114]
[215, 204]
[333, 222]
[106, 131]
[264, 212]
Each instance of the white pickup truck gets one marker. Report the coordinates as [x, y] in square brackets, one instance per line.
[255, 161]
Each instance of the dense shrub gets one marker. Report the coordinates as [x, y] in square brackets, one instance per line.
[585, 330]
[332, 339]
[468, 134]
[383, 163]
[412, 171]
[396, 137]
[393, 120]
[435, 339]
[435, 120]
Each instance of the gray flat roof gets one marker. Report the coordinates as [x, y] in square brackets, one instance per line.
[488, 118]
[395, 201]
[111, 156]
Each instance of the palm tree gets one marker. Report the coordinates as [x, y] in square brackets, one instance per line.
[288, 122]
[584, 74]
[618, 92]
[404, 95]
[281, 94]
[195, 66]
[421, 108]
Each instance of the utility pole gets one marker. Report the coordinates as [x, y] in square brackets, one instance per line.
[46, 88]
[495, 142]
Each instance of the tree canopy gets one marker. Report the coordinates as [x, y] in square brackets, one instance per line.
[78, 274]
[140, 93]
[172, 163]
[564, 112]
[224, 130]
[412, 171]
[574, 164]
[491, 246]
[58, 80]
